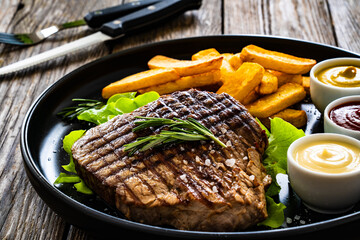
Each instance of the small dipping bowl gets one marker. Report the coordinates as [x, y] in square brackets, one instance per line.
[324, 192]
[331, 127]
[322, 94]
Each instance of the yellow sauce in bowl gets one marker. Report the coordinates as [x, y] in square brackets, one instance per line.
[328, 156]
[341, 76]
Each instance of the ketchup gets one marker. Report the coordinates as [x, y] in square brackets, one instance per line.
[347, 115]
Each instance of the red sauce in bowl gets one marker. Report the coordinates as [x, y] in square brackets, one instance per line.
[347, 115]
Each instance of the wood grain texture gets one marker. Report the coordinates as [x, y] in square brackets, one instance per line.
[346, 23]
[205, 21]
[23, 215]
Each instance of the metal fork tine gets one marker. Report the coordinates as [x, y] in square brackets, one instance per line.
[7, 36]
[10, 39]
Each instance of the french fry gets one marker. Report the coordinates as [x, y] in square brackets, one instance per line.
[185, 67]
[246, 79]
[227, 71]
[306, 84]
[235, 61]
[194, 81]
[285, 96]
[268, 84]
[206, 53]
[140, 80]
[276, 60]
[297, 118]
[285, 77]
[251, 97]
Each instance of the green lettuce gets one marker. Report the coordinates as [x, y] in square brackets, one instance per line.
[280, 137]
[71, 175]
[117, 104]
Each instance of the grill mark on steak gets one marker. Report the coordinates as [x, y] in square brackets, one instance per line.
[144, 179]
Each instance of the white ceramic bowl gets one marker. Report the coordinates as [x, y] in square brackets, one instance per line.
[324, 192]
[322, 94]
[331, 127]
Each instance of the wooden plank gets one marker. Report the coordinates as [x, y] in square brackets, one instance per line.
[346, 22]
[303, 19]
[205, 21]
[244, 17]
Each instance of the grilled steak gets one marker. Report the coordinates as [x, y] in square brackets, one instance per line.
[192, 185]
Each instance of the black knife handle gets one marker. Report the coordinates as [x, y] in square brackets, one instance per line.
[97, 18]
[148, 16]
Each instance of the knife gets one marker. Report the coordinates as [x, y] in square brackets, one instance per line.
[114, 29]
[97, 18]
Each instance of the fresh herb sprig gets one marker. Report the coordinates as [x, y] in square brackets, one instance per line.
[179, 131]
[71, 113]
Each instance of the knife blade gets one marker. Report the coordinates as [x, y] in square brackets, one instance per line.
[114, 29]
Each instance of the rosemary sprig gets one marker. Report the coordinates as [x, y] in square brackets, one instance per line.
[84, 104]
[179, 131]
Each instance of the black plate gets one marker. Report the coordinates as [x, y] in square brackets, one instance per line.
[43, 131]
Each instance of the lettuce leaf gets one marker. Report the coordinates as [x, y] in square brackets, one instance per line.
[72, 176]
[118, 104]
[280, 137]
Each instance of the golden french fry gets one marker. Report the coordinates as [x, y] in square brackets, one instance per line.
[246, 79]
[194, 81]
[206, 53]
[185, 67]
[297, 118]
[285, 77]
[306, 84]
[235, 61]
[276, 60]
[285, 96]
[140, 80]
[268, 84]
[227, 71]
[251, 97]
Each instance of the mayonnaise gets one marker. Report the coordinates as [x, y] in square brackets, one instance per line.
[341, 76]
[328, 156]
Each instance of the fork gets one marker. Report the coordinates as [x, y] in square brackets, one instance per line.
[37, 36]
[93, 19]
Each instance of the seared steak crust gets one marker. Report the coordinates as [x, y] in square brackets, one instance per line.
[191, 186]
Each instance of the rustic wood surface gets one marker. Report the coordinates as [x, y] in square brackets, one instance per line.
[23, 215]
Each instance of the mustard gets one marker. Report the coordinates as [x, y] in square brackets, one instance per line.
[341, 76]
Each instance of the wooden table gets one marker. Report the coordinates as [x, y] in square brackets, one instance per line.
[23, 215]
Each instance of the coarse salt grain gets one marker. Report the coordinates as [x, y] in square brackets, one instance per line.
[212, 151]
[228, 143]
[252, 177]
[207, 162]
[288, 220]
[230, 162]
[182, 148]
[245, 158]
[214, 188]
[183, 177]
[197, 159]
[223, 130]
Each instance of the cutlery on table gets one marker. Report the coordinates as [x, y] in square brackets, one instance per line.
[93, 19]
[133, 22]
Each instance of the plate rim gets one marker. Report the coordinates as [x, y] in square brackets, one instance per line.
[132, 225]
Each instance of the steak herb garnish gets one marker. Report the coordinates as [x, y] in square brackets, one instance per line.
[179, 131]
[71, 113]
